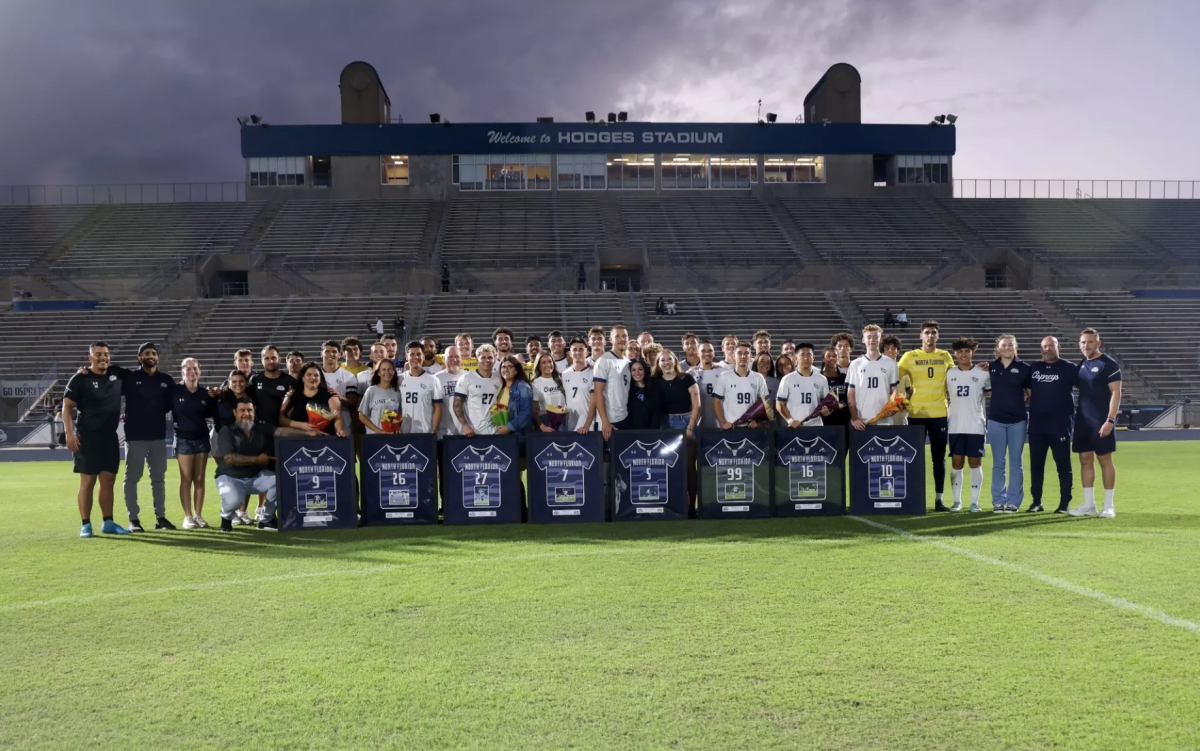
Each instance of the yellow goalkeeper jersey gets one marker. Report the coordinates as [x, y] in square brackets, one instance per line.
[927, 371]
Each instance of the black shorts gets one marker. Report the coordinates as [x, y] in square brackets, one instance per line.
[1087, 438]
[98, 452]
[966, 444]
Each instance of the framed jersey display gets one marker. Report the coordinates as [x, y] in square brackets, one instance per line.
[482, 480]
[649, 474]
[810, 471]
[887, 470]
[399, 478]
[315, 482]
[566, 477]
[735, 473]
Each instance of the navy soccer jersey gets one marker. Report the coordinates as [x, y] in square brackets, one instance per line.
[399, 475]
[315, 474]
[1051, 403]
[480, 472]
[647, 465]
[1008, 390]
[887, 461]
[1095, 376]
[734, 463]
[564, 467]
[808, 468]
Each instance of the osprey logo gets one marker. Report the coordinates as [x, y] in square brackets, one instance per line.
[1041, 377]
[1096, 369]
[279, 388]
[112, 378]
[974, 379]
[1015, 370]
[163, 385]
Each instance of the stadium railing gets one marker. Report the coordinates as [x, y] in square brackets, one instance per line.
[53, 195]
[43, 386]
[1055, 188]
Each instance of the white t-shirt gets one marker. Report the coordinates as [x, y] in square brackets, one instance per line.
[479, 394]
[706, 380]
[578, 384]
[344, 382]
[802, 394]
[872, 381]
[418, 394]
[449, 424]
[738, 393]
[378, 400]
[967, 413]
[546, 392]
[433, 369]
[613, 372]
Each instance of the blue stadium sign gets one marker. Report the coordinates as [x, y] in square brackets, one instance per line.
[582, 138]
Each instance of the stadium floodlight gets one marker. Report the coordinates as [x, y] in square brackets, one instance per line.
[435, 118]
[545, 120]
[255, 119]
[771, 116]
[241, 122]
[951, 119]
[622, 116]
[941, 119]
[589, 116]
[612, 117]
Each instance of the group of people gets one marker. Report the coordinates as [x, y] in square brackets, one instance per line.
[603, 381]
[664, 307]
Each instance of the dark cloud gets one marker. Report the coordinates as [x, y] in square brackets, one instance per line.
[124, 91]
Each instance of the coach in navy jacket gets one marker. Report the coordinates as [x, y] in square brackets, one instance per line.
[1051, 420]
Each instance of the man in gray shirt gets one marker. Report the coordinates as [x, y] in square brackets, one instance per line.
[243, 451]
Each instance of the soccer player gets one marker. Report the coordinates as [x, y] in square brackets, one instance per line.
[645, 338]
[891, 345]
[429, 348]
[147, 393]
[533, 348]
[803, 389]
[691, 351]
[871, 381]
[558, 349]
[295, 361]
[352, 352]
[448, 378]
[577, 385]
[967, 421]
[707, 373]
[502, 341]
[837, 386]
[1006, 424]
[268, 388]
[339, 379]
[788, 348]
[729, 345]
[843, 345]
[93, 437]
[243, 450]
[1095, 419]
[926, 370]
[596, 340]
[475, 393]
[392, 350]
[762, 342]
[420, 394]
[466, 351]
[738, 390]
[1051, 413]
[610, 384]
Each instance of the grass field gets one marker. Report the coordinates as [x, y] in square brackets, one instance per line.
[961, 632]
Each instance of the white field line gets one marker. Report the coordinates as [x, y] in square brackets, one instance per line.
[1054, 581]
[80, 599]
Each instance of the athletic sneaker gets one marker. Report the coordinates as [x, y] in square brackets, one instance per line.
[1035, 508]
[200, 522]
[1063, 508]
[975, 508]
[237, 520]
[260, 513]
[1011, 509]
[134, 526]
[956, 507]
[997, 509]
[1085, 509]
[226, 524]
[163, 523]
[1108, 512]
[86, 530]
[112, 528]
[190, 523]
[939, 506]
[270, 525]
[244, 517]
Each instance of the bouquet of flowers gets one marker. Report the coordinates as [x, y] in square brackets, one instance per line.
[319, 417]
[760, 411]
[390, 421]
[830, 402]
[892, 407]
[556, 416]
[499, 410]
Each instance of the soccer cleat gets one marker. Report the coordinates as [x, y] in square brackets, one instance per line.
[112, 528]
[134, 526]
[270, 525]
[226, 524]
[1108, 512]
[956, 507]
[975, 508]
[939, 506]
[190, 523]
[86, 530]
[1035, 508]
[200, 522]
[163, 523]
[1086, 509]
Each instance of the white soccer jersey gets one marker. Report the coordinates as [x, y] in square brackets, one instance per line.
[450, 424]
[872, 381]
[613, 372]
[479, 394]
[545, 393]
[344, 382]
[418, 394]
[706, 380]
[434, 369]
[802, 394]
[738, 393]
[578, 384]
[967, 413]
[562, 365]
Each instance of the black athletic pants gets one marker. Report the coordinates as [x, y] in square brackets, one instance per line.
[1060, 446]
[935, 431]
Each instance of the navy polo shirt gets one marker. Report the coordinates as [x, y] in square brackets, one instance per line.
[147, 403]
[1008, 390]
[191, 411]
[1094, 393]
[1051, 403]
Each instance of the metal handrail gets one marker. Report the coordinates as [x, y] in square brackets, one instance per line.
[44, 384]
[1075, 189]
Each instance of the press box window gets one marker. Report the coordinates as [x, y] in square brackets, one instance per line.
[581, 172]
[918, 170]
[630, 171]
[726, 172]
[276, 171]
[501, 171]
[394, 170]
[788, 168]
[684, 171]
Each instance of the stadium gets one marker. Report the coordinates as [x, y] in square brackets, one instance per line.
[836, 629]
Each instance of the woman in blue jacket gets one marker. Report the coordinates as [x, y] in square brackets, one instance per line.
[518, 395]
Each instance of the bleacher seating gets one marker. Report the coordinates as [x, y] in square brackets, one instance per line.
[26, 232]
[1173, 225]
[874, 231]
[136, 239]
[802, 316]
[719, 230]
[367, 233]
[31, 341]
[481, 313]
[520, 229]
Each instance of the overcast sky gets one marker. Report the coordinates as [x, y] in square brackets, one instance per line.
[98, 91]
